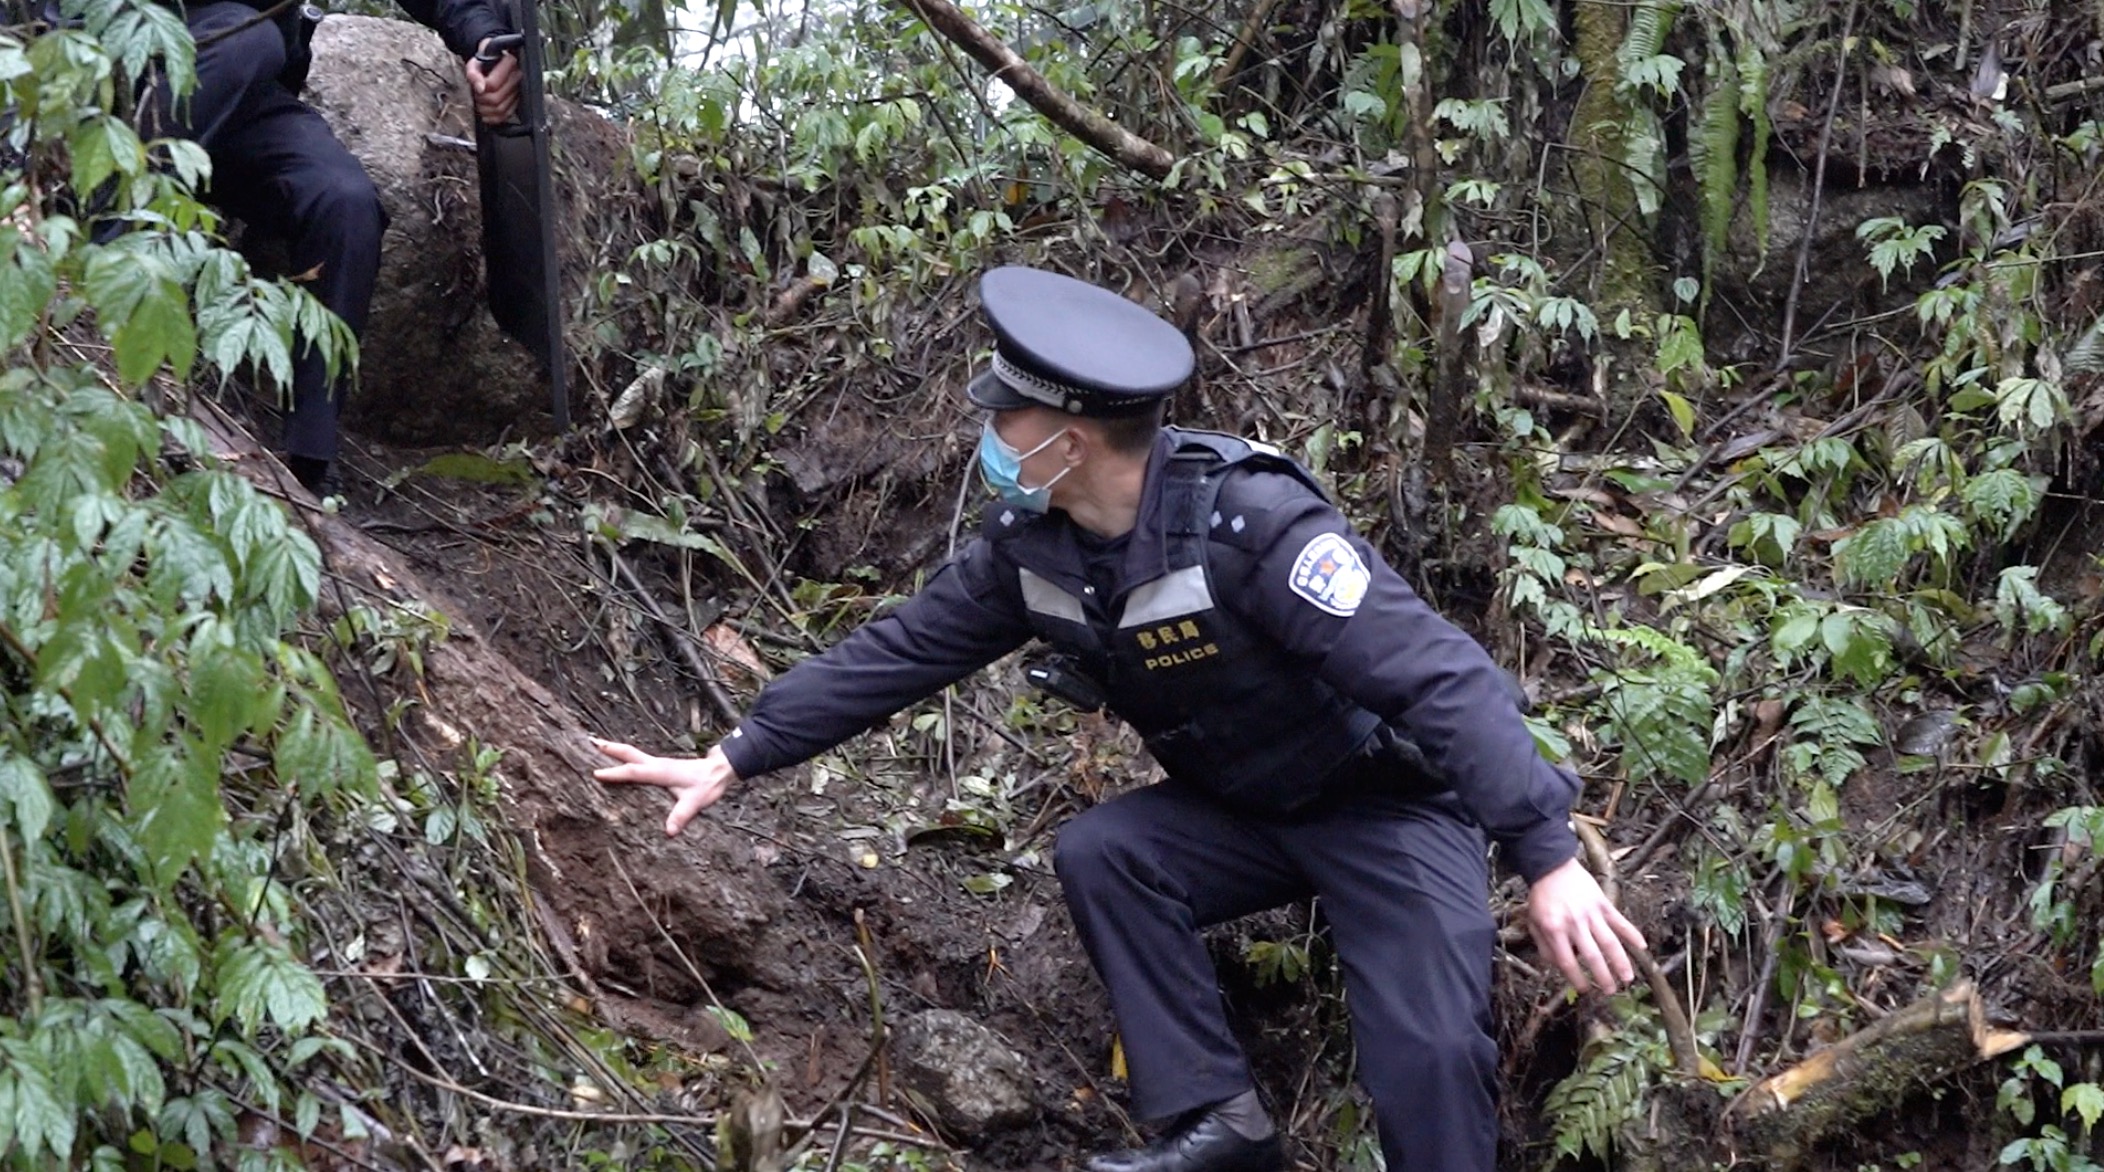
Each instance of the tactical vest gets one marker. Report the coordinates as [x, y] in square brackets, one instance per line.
[1220, 705]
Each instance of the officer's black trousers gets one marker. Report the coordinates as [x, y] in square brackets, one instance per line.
[1406, 890]
[277, 166]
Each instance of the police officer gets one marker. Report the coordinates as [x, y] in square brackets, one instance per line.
[1323, 733]
[276, 165]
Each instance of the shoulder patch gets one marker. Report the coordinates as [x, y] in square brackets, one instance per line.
[1330, 574]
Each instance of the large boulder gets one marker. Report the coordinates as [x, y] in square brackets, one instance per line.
[972, 1081]
[434, 367]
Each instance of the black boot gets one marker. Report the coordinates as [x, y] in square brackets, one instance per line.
[1201, 1142]
[319, 477]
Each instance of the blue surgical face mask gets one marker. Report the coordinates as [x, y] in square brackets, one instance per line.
[1003, 468]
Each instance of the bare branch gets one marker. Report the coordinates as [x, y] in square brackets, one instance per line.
[1090, 126]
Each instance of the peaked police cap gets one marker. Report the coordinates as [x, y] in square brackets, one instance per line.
[1074, 347]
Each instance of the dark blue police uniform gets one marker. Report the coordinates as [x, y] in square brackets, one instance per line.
[1287, 680]
[277, 166]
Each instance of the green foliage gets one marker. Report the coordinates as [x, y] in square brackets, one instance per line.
[1875, 556]
[1659, 710]
[1276, 962]
[2053, 910]
[2034, 1076]
[156, 727]
[2022, 608]
[1828, 735]
[1522, 20]
[1589, 1109]
[1893, 244]
[145, 635]
[1715, 152]
[1754, 75]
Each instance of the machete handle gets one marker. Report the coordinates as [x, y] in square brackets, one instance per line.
[494, 49]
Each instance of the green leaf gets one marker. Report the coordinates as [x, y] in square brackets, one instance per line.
[2004, 498]
[242, 320]
[1874, 555]
[2085, 1100]
[174, 795]
[225, 686]
[27, 284]
[2021, 606]
[30, 1107]
[989, 883]
[320, 754]
[146, 32]
[1860, 644]
[261, 982]
[2029, 406]
[1518, 19]
[733, 1024]
[103, 146]
[27, 794]
[169, 953]
[143, 310]
[186, 564]
[286, 576]
[137, 1073]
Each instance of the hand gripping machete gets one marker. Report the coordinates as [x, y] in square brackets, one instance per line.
[518, 209]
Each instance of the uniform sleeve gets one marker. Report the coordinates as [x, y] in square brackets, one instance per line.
[967, 616]
[463, 23]
[1313, 584]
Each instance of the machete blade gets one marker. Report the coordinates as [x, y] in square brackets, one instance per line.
[519, 217]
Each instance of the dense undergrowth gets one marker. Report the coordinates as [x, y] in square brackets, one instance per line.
[1805, 584]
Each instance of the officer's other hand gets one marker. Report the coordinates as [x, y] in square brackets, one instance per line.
[495, 89]
[696, 782]
[1575, 925]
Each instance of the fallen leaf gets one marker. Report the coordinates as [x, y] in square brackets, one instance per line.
[730, 649]
[1618, 525]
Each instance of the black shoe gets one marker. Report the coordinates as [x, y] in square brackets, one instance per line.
[1207, 1144]
[319, 477]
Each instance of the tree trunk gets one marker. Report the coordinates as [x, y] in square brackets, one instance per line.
[1607, 195]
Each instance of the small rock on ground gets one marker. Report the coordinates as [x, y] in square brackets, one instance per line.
[973, 1081]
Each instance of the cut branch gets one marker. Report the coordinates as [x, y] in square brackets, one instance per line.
[1680, 1035]
[1867, 1072]
[1090, 126]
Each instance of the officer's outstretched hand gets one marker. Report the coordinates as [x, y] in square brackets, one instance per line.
[496, 88]
[1573, 922]
[696, 782]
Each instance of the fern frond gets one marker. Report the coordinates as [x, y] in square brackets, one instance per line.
[1601, 1096]
[1648, 25]
[1716, 151]
[1754, 81]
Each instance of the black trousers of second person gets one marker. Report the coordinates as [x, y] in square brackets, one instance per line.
[1405, 886]
[277, 166]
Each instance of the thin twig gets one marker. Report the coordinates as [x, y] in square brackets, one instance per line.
[1758, 1001]
[1811, 221]
[446, 1084]
[866, 952]
[33, 980]
[682, 641]
[843, 1102]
